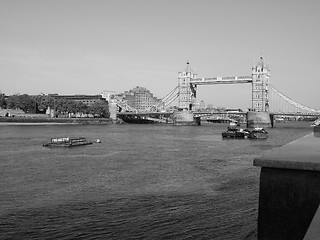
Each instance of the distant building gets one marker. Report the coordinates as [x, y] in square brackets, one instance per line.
[86, 99]
[140, 98]
[202, 104]
[210, 106]
[199, 106]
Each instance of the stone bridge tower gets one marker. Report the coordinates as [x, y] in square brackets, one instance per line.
[259, 116]
[260, 86]
[187, 92]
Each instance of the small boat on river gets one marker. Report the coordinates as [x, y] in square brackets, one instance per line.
[258, 133]
[234, 132]
[67, 142]
[316, 123]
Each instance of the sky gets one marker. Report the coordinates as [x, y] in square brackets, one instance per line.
[88, 46]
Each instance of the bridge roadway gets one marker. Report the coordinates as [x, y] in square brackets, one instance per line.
[164, 117]
[270, 113]
[165, 114]
[221, 80]
[199, 114]
[295, 114]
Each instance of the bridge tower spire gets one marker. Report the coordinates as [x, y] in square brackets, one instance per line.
[187, 91]
[260, 86]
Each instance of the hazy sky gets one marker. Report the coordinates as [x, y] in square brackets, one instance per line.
[85, 47]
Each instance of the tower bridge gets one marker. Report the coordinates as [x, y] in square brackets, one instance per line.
[266, 100]
[259, 78]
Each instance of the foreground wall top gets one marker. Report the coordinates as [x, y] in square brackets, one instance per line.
[301, 154]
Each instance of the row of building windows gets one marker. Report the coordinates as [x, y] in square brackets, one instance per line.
[139, 98]
[86, 99]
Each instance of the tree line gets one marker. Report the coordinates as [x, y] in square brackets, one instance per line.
[61, 106]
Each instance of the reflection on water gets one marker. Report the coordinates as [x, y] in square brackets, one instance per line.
[141, 182]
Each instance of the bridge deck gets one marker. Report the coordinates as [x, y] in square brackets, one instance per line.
[221, 80]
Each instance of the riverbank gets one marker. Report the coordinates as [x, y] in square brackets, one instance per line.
[45, 120]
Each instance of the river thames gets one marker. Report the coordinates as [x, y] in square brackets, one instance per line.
[140, 182]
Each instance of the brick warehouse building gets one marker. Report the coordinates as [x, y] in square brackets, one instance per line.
[86, 99]
[140, 98]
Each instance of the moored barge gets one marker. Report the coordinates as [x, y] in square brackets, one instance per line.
[67, 142]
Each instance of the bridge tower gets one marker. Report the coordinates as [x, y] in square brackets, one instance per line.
[260, 86]
[260, 102]
[187, 91]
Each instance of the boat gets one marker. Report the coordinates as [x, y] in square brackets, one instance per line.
[218, 120]
[233, 132]
[67, 142]
[316, 123]
[176, 118]
[258, 133]
[136, 118]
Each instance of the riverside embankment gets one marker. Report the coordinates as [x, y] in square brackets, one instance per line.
[21, 119]
[289, 190]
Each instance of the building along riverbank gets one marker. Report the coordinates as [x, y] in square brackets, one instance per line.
[30, 119]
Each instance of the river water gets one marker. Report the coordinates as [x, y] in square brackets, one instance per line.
[140, 182]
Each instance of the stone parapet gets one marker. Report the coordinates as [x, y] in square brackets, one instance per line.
[289, 194]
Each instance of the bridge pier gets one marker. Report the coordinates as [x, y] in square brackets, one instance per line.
[272, 120]
[258, 119]
[113, 111]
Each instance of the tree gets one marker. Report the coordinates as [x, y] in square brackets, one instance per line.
[65, 106]
[100, 109]
[23, 102]
[81, 107]
[2, 101]
[42, 102]
[60, 106]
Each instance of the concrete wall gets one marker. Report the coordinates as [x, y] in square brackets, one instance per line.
[289, 194]
[288, 201]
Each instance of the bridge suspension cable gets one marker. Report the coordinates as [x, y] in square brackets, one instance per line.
[169, 95]
[281, 103]
[165, 101]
